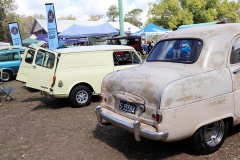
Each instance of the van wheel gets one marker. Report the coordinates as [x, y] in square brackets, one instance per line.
[80, 96]
[6, 76]
[210, 137]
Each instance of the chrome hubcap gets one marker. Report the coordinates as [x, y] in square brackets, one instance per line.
[82, 96]
[213, 133]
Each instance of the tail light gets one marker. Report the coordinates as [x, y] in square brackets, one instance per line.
[54, 79]
[100, 98]
[105, 99]
[157, 116]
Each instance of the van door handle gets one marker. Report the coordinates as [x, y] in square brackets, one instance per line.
[34, 66]
[236, 71]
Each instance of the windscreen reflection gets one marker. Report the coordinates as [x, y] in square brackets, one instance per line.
[178, 50]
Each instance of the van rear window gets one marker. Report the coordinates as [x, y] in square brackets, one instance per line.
[45, 59]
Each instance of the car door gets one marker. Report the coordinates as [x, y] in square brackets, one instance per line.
[26, 63]
[234, 67]
[126, 59]
[42, 69]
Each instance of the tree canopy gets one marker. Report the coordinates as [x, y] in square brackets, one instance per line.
[69, 17]
[133, 17]
[170, 14]
[112, 13]
[6, 7]
[95, 17]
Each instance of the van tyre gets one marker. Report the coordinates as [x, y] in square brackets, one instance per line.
[6, 76]
[210, 137]
[80, 96]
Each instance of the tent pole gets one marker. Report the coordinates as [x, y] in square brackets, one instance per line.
[120, 6]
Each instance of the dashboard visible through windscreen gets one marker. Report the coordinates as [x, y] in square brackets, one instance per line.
[176, 50]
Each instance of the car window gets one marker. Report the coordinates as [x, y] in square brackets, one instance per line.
[235, 52]
[176, 50]
[29, 56]
[45, 59]
[9, 56]
[125, 58]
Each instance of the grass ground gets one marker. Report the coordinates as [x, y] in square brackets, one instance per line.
[39, 127]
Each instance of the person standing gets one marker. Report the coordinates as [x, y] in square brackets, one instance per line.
[177, 46]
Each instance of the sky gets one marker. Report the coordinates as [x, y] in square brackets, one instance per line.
[81, 8]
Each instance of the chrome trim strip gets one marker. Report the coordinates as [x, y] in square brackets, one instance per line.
[135, 128]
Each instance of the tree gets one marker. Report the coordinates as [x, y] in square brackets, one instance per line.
[95, 17]
[172, 13]
[6, 6]
[112, 13]
[69, 17]
[133, 17]
[26, 24]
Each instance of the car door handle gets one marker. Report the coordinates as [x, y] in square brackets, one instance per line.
[236, 71]
[34, 66]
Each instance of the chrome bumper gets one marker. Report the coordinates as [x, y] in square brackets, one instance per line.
[135, 128]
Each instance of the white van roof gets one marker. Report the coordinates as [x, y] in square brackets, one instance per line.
[93, 48]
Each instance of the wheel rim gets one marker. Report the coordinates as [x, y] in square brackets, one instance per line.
[213, 133]
[82, 96]
[5, 76]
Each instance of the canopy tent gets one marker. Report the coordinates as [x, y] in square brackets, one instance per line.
[201, 24]
[29, 41]
[88, 31]
[152, 30]
[45, 38]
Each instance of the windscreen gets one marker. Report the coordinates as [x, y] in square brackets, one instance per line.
[176, 50]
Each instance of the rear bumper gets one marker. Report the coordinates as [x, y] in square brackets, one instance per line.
[134, 128]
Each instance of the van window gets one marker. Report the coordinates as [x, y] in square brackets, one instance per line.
[45, 59]
[125, 58]
[9, 56]
[29, 56]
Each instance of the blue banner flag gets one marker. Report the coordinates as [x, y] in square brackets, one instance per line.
[15, 33]
[52, 27]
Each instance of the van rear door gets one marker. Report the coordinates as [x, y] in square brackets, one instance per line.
[26, 63]
[42, 69]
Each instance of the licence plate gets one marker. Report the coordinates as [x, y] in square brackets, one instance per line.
[127, 107]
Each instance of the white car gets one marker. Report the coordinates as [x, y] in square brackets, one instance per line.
[170, 98]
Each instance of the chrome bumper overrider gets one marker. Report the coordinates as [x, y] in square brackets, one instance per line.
[135, 128]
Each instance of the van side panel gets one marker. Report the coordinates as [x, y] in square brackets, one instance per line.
[87, 67]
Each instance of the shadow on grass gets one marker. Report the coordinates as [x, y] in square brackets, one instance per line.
[32, 90]
[53, 103]
[95, 98]
[124, 142]
[233, 130]
[49, 102]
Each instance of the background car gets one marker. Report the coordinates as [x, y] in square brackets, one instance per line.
[10, 61]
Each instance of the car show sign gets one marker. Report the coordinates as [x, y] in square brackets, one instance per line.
[15, 33]
[52, 27]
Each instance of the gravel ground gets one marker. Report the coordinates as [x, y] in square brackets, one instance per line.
[39, 127]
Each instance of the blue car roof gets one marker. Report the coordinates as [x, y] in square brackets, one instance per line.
[11, 50]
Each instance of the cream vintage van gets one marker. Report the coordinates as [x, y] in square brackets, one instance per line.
[188, 87]
[76, 72]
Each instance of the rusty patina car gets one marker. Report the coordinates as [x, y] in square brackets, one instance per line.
[176, 96]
